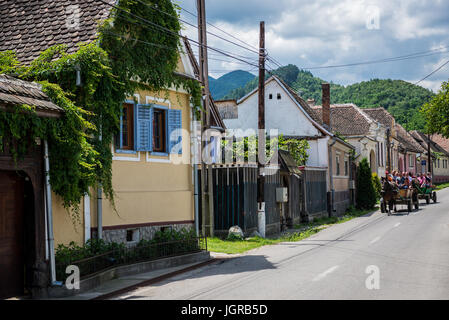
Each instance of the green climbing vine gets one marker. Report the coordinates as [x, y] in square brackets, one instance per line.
[129, 55]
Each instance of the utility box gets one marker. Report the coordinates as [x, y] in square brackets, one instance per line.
[281, 195]
[351, 184]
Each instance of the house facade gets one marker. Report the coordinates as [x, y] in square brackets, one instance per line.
[440, 157]
[367, 135]
[404, 152]
[152, 171]
[292, 117]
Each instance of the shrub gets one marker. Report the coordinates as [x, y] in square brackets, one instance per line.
[377, 185]
[366, 193]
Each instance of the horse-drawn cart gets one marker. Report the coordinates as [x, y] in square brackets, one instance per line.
[427, 193]
[393, 196]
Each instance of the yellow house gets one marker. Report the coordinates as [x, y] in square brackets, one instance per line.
[152, 168]
[152, 171]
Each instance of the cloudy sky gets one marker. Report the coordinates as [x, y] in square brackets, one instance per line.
[321, 33]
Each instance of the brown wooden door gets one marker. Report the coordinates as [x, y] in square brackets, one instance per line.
[11, 234]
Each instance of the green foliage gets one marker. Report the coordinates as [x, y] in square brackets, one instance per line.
[247, 148]
[366, 193]
[297, 148]
[80, 142]
[377, 185]
[436, 112]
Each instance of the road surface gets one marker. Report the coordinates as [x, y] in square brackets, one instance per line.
[374, 257]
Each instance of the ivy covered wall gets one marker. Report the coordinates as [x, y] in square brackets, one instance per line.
[131, 53]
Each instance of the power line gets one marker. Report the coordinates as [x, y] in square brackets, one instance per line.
[223, 52]
[194, 26]
[433, 72]
[398, 58]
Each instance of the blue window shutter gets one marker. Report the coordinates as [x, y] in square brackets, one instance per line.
[175, 131]
[144, 124]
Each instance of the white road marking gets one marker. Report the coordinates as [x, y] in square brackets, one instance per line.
[374, 240]
[325, 273]
[397, 225]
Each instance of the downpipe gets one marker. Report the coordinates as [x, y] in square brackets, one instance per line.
[49, 218]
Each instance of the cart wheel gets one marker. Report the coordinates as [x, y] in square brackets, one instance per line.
[434, 197]
[428, 199]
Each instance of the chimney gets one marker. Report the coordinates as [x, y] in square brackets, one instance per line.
[311, 102]
[326, 102]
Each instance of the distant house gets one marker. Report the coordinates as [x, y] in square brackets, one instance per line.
[366, 134]
[404, 152]
[440, 157]
[288, 113]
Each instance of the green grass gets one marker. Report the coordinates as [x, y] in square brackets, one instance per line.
[304, 231]
[442, 186]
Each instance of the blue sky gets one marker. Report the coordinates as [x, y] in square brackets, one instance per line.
[325, 32]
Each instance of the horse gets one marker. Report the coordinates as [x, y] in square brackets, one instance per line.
[389, 194]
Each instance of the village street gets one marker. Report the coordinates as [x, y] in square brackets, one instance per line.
[410, 252]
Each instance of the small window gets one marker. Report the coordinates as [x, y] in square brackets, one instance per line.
[132, 235]
[279, 96]
[346, 167]
[338, 165]
[127, 127]
[270, 96]
[159, 131]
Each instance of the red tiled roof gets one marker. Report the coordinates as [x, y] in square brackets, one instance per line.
[347, 119]
[441, 141]
[32, 26]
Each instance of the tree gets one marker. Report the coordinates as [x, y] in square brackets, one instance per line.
[436, 112]
[366, 193]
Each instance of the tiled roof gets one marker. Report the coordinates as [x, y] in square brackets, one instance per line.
[423, 140]
[407, 141]
[347, 119]
[32, 26]
[381, 115]
[15, 92]
[441, 141]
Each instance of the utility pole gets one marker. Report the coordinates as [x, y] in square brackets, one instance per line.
[207, 204]
[261, 127]
[388, 150]
[429, 153]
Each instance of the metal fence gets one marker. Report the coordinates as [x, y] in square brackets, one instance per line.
[128, 255]
[235, 197]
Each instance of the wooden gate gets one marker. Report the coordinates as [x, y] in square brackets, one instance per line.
[315, 193]
[11, 234]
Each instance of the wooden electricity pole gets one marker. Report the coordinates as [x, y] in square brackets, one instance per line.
[261, 131]
[207, 203]
[429, 157]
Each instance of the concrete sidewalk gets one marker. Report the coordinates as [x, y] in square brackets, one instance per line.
[131, 282]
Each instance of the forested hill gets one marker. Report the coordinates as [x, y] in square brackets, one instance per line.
[232, 80]
[402, 99]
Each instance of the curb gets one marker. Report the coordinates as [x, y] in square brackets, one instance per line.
[154, 280]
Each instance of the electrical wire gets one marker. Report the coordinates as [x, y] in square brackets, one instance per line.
[433, 72]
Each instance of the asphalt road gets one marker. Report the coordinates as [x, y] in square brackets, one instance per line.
[376, 257]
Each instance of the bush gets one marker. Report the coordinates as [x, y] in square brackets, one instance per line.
[165, 243]
[366, 192]
[377, 186]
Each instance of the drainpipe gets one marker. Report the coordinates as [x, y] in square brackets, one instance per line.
[100, 206]
[195, 175]
[331, 173]
[49, 216]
